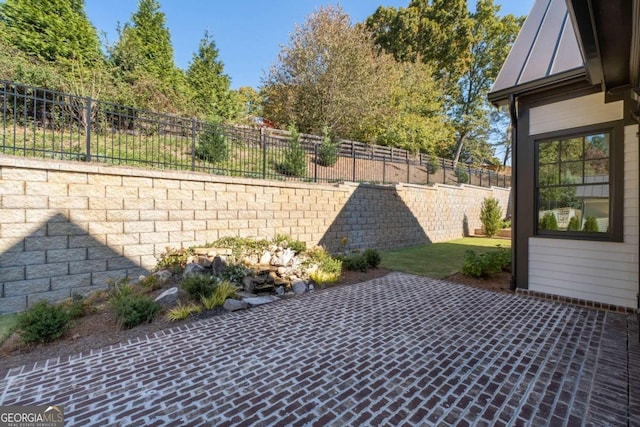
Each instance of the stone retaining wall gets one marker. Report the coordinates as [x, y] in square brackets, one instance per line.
[71, 227]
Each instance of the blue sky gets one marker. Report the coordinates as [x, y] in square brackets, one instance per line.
[248, 33]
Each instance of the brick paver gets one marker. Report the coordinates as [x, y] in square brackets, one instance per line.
[400, 350]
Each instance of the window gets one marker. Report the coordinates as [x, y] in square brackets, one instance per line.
[574, 188]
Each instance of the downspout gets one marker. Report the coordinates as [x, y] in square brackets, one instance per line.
[513, 112]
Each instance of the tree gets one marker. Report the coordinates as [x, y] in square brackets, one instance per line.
[492, 37]
[210, 85]
[466, 52]
[143, 55]
[57, 31]
[327, 75]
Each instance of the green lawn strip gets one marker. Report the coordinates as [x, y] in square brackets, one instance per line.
[438, 260]
[8, 323]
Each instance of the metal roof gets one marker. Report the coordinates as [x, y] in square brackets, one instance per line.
[545, 51]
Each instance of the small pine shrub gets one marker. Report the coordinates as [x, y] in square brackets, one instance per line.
[295, 157]
[328, 150]
[212, 144]
[198, 285]
[491, 216]
[134, 310]
[574, 224]
[43, 322]
[462, 175]
[433, 165]
[591, 224]
[548, 222]
[372, 257]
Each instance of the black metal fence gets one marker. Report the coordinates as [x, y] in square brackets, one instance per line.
[38, 122]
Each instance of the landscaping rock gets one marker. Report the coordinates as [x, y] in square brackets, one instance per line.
[248, 283]
[234, 305]
[280, 290]
[163, 275]
[168, 298]
[299, 287]
[265, 258]
[261, 300]
[193, 268]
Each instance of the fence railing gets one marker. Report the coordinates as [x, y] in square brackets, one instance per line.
[38, 122]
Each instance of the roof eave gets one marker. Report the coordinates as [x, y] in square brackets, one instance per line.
[501, 97]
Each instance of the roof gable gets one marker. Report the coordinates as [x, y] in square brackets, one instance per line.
[546, 50]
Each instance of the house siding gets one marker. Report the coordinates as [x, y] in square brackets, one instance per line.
[573, 113]
[604, 272]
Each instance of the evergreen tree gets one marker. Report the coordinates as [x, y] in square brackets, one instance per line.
[57, 31]
[209, 83]
[145, 43]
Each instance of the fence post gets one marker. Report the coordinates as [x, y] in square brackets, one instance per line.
[315, 162]
[193, 144]
[88, 130]
[408, 171]
[353, 155]
[263, 143]
[384, 170]
[444, 171]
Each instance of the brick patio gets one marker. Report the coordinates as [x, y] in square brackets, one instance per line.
[400, 350]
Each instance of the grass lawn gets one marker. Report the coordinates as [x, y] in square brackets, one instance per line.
[8, 324]
[438, 260]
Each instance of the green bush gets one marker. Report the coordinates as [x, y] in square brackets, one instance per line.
[491, 216]
[212, 144]
[433, 165]
[372, 257]
[134, 309]
[591, 224]
[198, 285]
[574, 223]
[174, 259]
[329, 268]
[77, 306]
[295, 158]
[328, 150]
[548, 222]
[462, 175]
[43, 322]
[486, 264]
[356, 262]
[235, 273]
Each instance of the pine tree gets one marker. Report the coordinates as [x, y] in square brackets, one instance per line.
[57, 31]
[209, 83]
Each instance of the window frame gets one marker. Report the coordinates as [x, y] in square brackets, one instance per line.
[616, 181]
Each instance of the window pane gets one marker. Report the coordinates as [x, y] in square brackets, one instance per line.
[571, 173]
[548, 152]
[597, 145]
[549, 175]
[571, 149]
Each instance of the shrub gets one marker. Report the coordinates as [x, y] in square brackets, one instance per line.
[322, 277]
[356, 262]
[289, 242]
[433, 165]
[236, 273]
[574, 223]
[77, 306]
[328, 150]
[181, 312]
[462, 175]
[486, 264]
[491, 216]
[372, 257]
[43, 322]
[295, 158]
[548, 222]
[212, 144]
[133, 310]
[174, 259]
[197, 285]
[591, 224]
[329, 268]
[224, 290]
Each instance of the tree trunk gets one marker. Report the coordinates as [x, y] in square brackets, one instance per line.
[459, 150]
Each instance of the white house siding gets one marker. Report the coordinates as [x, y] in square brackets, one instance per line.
[605, 272]
[573, 113]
